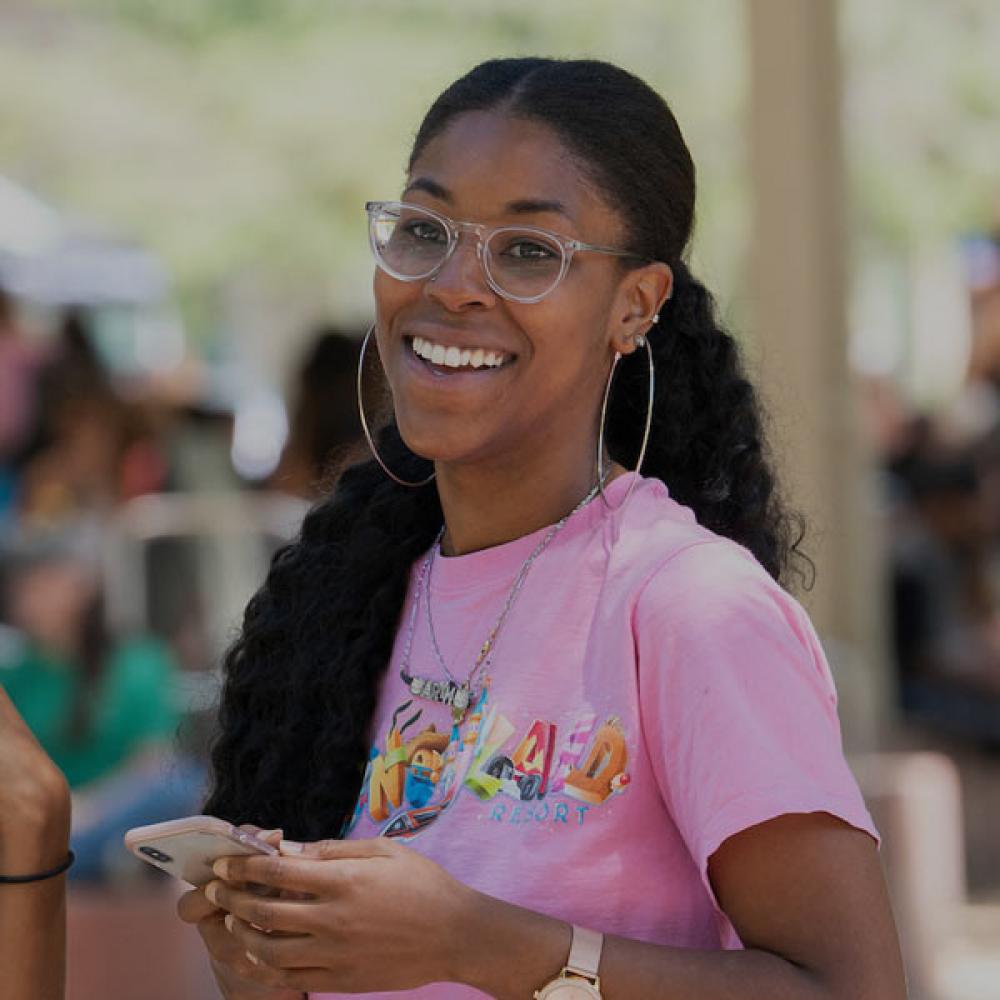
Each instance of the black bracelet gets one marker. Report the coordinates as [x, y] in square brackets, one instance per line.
[39, 876]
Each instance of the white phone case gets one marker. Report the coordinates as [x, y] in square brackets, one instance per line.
[186, 848]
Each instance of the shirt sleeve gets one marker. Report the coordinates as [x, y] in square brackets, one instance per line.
[738, 704]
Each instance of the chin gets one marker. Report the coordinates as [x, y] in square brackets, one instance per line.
[442, 447]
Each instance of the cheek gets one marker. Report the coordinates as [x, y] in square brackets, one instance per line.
[567, 352]
[392, 295]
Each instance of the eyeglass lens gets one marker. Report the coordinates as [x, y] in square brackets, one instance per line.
[410, 244]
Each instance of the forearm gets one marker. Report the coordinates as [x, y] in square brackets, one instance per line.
[33, 914]
[629, 969]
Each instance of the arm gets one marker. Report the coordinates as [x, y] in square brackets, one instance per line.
[804, 892]
[34, 837]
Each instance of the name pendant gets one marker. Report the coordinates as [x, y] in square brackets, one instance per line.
[456, 696]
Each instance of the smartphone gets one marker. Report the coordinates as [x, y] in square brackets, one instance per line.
[186, 848]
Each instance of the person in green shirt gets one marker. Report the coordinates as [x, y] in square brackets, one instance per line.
[102, 708]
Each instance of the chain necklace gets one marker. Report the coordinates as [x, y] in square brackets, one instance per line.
[459, 695]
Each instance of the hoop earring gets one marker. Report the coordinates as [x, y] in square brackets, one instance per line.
[364, 421]
[643, 342]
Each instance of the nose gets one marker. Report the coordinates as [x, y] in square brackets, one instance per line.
[461, 282]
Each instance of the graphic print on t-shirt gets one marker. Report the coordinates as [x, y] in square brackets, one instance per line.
[417, 772]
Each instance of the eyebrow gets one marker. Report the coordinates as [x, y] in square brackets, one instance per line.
[522, 206]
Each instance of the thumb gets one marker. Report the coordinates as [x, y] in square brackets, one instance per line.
[324, 850]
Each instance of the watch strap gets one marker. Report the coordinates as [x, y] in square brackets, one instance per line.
[585, 952]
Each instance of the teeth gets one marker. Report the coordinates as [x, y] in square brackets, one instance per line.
[457, 357]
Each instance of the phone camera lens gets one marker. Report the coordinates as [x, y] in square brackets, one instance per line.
[155, 854]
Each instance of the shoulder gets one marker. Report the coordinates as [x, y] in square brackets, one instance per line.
[660, 553]
[711, 582]
[702, 602]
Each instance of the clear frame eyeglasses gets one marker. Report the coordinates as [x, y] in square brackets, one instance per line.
[521, 263]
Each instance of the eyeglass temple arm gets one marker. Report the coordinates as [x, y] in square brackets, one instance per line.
[578, 245]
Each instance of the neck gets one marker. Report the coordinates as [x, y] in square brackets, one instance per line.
[487, 505]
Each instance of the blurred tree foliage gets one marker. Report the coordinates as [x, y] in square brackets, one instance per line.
[922, 115]
[240, 138]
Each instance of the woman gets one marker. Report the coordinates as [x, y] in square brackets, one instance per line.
[34, 854]
[526, 701]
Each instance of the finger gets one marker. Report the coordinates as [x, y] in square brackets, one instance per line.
[225, 950]
[229, 955]
[272, 837]
[194, 906]
[374, 847]
[303, 875]
[231, 958]
[269, 913]
[289, 951]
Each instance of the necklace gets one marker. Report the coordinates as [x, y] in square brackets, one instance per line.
[459, 695]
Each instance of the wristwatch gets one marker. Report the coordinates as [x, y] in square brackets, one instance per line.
[579, 979]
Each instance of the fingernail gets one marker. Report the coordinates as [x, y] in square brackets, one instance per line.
[256, 961]
[229, 922]
[220, 867]
[211, 891]
[264, 834]
[291, 847]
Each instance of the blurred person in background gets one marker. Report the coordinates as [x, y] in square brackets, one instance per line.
[34, 845]
[102, 707]
[947, 613]
[89, 450]
[324, 420]
[19, 364]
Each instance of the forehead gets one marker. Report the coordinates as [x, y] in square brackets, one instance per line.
[488, 162]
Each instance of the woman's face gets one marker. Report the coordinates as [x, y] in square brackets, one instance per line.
[488, 168]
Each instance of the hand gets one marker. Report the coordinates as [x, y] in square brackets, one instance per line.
[34, 799]
[229, 961]
[378, 916]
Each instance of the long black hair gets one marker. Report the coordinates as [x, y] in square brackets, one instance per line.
[302, 679]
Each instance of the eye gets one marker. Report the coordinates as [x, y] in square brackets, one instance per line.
[425, 231]
[523, 248]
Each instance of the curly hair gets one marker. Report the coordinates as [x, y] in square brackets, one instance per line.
[303, 677]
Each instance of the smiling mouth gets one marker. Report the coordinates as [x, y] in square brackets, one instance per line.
[443, 359]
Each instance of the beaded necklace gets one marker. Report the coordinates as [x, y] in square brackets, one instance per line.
[459, 695]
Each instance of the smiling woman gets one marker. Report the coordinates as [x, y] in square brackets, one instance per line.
[529, 683]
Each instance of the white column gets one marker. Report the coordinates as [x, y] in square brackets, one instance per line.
[799, 301]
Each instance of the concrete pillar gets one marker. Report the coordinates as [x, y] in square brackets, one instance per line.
[799, 302]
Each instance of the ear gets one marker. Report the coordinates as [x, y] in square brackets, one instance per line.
[641, 295]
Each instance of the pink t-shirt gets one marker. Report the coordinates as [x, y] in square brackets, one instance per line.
[652, 692]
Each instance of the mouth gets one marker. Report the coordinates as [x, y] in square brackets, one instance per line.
[450, 360]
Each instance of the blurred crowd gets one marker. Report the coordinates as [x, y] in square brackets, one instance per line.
[98, 469]
[940, 480]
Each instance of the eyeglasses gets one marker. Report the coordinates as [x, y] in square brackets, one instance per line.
[521, 263]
